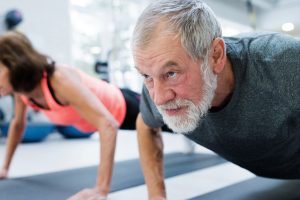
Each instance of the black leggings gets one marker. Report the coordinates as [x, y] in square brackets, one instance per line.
[132, 108]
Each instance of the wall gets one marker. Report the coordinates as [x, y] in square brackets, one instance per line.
[46, 23]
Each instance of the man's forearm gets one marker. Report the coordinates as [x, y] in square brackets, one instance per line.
[151, 156]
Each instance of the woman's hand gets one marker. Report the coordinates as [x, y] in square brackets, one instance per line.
[88, 194]
[3, 174]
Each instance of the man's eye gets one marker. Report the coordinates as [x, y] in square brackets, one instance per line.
[146, 77]
[171, 74]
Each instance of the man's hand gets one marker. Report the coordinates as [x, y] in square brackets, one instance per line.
[3, 174]
[157, 198]
[88, 194]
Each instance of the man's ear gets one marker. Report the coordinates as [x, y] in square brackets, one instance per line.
[218, 55]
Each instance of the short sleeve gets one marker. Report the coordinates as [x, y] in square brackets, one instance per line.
[149, 112]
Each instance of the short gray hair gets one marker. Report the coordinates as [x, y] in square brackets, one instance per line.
[192, 20]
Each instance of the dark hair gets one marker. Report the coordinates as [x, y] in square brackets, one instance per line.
[26, 65]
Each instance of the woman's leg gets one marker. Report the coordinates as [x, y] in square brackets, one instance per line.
[132, 108]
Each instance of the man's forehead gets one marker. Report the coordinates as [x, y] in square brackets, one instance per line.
[157, 67]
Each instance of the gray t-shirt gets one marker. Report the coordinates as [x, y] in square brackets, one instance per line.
[259, 128]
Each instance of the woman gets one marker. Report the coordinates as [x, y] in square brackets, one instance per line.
[67, 96]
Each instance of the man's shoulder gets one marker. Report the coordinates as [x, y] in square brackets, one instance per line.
[263, 45]
[263, 38]
[258, 35]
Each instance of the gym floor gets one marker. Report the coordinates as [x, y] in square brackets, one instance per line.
[57, 154]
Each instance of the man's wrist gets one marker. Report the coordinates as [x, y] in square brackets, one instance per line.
[157, 198]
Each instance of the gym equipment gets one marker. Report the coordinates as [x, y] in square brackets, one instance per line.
[2, 115]
[71, 132]
[13, 18]
[34, 132]
[102, 69]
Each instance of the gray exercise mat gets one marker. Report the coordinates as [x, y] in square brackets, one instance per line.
[257, 189]
[61, 185]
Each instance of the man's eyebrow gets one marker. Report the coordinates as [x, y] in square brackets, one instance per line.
[170, 63]
[167, 64]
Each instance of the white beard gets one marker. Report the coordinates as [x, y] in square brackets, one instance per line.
[189, 121]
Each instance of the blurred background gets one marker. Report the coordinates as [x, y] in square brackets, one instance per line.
[94, 35]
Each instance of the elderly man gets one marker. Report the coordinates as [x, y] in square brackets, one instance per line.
[239, 96]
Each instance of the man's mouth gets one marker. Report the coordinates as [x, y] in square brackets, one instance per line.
[175, 111]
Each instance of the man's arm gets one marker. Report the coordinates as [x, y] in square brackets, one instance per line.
[151, 156]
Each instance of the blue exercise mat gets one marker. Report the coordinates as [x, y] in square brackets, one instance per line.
[257, 189]
[61, 185]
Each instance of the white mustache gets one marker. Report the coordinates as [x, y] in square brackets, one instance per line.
[175, 104]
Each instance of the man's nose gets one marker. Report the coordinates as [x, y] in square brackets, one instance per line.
[161, 94]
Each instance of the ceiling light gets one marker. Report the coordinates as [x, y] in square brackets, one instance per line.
[287, 26]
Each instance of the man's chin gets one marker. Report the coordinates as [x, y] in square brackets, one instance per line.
[182, 128]
[181, 125]
[182, 131]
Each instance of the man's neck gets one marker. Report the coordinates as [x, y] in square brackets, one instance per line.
[225, 86]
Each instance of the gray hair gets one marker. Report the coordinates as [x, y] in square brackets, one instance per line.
[192, 20]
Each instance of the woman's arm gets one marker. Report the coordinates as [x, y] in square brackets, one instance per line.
[15, 134]
[71, 91]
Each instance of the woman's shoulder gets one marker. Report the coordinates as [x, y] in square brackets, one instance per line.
[64, 72]
[62, 81]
